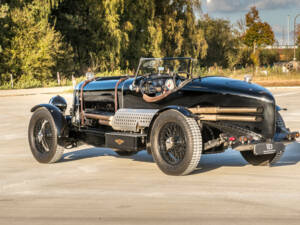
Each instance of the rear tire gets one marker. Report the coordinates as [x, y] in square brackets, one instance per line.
[176, 143]
[279, 121]
[258, 160]
[42, 137]
[266, 160]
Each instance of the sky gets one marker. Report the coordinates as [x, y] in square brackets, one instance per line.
[275, 12]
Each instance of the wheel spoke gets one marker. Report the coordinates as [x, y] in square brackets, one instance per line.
[172, 157]
[172, 143]
[45, 145]
[43, 136]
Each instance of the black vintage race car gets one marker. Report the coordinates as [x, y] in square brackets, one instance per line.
[176, 116]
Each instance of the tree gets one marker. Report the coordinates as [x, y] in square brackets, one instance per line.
[15, 3]
[108, 35]
[268, 57]
[35, 48]
[257, 34]
[298, 34]
[93, 29]
[162, 28]
[181, 35]
[105, 35]
[5, 24]
[222, 43]
[143, 30]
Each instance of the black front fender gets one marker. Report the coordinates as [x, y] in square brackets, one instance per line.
[59, 119]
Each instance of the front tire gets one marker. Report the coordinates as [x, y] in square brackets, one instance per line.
[42, 137]
[176, 143]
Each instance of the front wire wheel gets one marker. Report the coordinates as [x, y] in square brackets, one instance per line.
[176, 143]
[42, 137]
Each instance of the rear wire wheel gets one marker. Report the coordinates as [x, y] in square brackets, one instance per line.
[176, 143]
[42, 137]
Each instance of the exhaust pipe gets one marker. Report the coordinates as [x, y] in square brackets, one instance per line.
[97, 117]
[102, 119]
[217, 110]
[230, 118]
[104, 122]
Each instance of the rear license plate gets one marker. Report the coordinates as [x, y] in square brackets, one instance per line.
[268, 148]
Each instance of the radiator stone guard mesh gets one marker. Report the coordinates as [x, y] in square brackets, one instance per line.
[132, 119]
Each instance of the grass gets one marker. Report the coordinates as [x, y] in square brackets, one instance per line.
[291, 79]
[264, 76]
[31, 83]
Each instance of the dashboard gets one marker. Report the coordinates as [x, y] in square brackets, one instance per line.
[158, 84]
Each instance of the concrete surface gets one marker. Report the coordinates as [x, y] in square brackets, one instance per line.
[95, 186]
[35, 91]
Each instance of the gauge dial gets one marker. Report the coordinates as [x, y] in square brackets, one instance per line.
[170, 84]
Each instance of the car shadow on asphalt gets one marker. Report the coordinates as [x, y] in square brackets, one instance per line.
[229, 158]
[141, 156]
[207, 163]
[233, 158]
[291, 155]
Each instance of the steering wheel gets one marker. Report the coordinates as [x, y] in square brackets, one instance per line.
[149, 79]
[146, 87]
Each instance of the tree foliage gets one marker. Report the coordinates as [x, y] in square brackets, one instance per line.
[112, 34]
[35, 50]
[143, 30]
[258, 33]
[42, 37]
[181, 35]
[222, 42]
[298, 34]
[268, 57]
[5, 23]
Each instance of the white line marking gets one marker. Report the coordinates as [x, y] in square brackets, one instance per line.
[8, 137]
[290, 114]
[287, 94]
[284, 87]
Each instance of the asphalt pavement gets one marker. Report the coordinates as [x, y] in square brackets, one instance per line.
[96, 186]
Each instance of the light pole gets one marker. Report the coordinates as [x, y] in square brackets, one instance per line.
[295, 36]
[288, 31]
